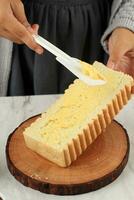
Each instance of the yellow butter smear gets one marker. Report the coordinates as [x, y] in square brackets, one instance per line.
[78, 106]
[89, 70]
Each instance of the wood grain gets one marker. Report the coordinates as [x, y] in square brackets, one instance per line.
[100, 165]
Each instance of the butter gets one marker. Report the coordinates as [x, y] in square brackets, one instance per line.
[89, 70]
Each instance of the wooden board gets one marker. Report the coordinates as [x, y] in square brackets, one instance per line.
[101, 163]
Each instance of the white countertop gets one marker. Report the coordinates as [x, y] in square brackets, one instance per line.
[14, 110]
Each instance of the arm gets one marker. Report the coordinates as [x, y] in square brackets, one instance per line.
[118, 40]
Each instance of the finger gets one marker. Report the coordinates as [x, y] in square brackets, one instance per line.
[126, 66]
[133, 90]
[19, 12]
[130, 53]
[24, 35]
[116, 53]
[35, 28]
[122, 65]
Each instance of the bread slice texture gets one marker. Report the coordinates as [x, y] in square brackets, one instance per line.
[78, 117]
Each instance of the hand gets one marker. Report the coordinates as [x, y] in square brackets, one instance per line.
[14, 25]
[121, 51]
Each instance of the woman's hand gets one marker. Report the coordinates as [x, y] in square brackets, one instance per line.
[121, 51]
[14, 25]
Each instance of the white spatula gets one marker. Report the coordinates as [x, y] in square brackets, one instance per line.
[69, 62]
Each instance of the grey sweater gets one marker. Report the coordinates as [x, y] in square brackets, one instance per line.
[122, 15]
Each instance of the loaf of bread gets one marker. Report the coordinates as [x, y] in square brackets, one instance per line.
[78, 117]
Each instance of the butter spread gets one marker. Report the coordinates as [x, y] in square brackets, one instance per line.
[79, 105]
[89, 70]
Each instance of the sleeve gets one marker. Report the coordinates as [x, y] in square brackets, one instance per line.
[121, 16]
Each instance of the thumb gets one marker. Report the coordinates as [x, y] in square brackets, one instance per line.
[35, 28]
[116, 53]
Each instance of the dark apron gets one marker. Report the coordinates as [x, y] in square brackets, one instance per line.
[75, 26]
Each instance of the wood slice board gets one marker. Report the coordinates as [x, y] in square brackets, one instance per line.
[100, 164]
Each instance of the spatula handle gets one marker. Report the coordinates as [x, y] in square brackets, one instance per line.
[50, 47]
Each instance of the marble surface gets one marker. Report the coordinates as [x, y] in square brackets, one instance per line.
[14, 110]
